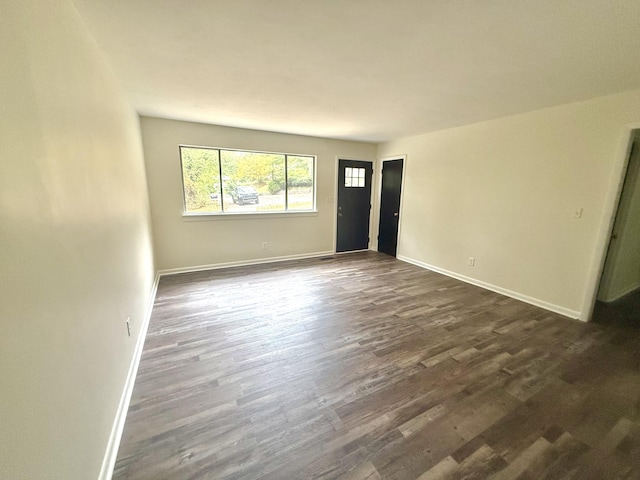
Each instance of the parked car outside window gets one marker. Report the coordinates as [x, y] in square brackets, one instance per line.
[244, 194]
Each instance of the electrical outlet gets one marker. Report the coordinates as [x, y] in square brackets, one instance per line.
[265, 245]
[129, 326]
[472, 261]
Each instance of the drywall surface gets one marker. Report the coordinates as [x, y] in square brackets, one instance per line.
[75, 245]
[622, 270]
[506, 192]
[185, 242]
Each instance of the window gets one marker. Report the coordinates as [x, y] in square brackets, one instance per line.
[353, 177]
[233, 181]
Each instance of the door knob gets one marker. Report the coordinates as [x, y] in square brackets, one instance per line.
[395, 214]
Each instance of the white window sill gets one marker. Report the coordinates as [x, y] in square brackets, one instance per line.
[206, 217]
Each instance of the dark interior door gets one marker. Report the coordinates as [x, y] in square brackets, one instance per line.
[390, 206]
[354, 205]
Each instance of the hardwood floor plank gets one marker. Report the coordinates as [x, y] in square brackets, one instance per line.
[441, 470]
[523, 461]
[366, 471]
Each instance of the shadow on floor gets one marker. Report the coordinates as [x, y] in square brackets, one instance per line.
[624, 311]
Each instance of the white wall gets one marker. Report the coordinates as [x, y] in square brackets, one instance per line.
[75, 246]
[187, 242]
[505, 192]
[622, 270]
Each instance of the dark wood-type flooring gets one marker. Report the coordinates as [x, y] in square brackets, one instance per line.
[364, 367]
[625, 310]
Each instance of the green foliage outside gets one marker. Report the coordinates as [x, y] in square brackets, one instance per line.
[299, 171]
[263, 171]
[201, 177]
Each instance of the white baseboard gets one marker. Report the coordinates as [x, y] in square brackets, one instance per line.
[109, 461]
[494, 288]
[243, 263]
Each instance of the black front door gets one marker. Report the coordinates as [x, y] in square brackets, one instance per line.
[354, 205]
[390, 206]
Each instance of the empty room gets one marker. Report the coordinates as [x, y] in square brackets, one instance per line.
[337, 240]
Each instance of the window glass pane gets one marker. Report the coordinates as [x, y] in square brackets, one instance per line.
[300, 182]
[252, 181]
[201, 180]
[348, 176]
[361, 172]
[361, 182]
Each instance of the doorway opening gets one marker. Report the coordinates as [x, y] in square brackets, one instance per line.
[618, 294]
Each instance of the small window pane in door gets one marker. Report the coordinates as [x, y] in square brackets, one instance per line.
[354, 177]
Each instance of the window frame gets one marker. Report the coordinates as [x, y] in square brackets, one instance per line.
[222, 213]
